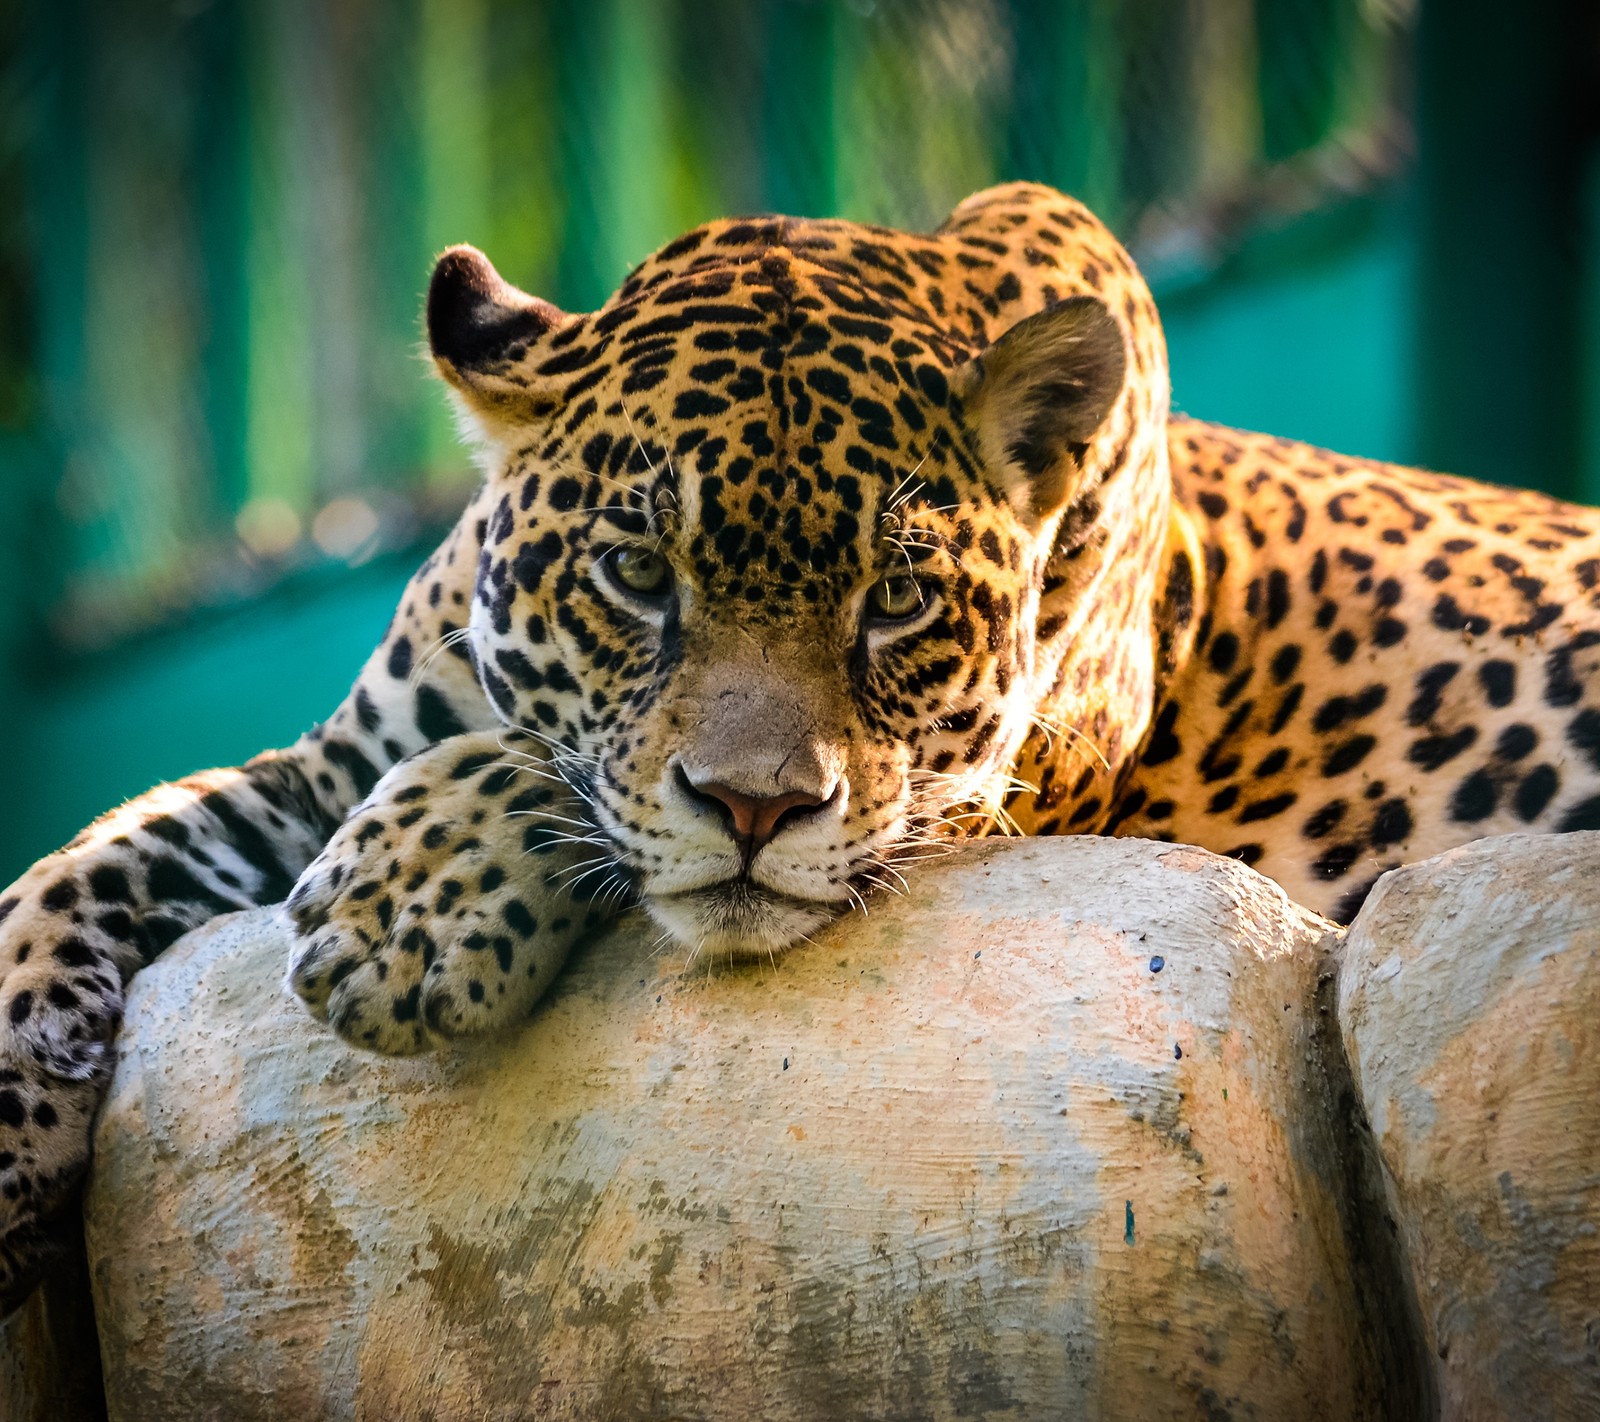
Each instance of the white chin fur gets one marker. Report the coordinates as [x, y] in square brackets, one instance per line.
[733, 921]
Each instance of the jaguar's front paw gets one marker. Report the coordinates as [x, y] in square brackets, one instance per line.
[443, 906]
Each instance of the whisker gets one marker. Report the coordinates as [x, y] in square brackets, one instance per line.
[554, 778]
[615, 890]
[550, 815]
[876, 882]
[888, 867]
[555, 744]
[902, 491]
[440, 644]
[599, 841]
[1053, 728]
[586, 866]
[639, 443]
[904, 552]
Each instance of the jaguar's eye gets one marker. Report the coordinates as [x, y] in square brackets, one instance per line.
[895, 598]
[640, 570]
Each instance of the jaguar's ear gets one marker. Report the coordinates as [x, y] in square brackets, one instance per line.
[1039, 394]
[480, 330]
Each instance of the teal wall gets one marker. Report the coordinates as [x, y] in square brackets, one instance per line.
[1319, 349]
[213, 693]
[1315, 347]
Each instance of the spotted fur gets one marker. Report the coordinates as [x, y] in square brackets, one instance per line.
[934, 559]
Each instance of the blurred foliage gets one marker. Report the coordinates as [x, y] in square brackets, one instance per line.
[217, 219]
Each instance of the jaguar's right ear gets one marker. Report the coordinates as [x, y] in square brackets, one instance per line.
[1038, 397]
[481, 330]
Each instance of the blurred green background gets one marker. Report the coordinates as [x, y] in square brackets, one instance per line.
[1370, 223]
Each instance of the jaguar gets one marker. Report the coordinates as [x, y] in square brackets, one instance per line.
[817, 549]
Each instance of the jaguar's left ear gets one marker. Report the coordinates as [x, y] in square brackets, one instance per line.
[1038, 395]
[486, 337]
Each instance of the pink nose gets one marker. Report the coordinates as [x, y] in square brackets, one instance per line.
[754, 820]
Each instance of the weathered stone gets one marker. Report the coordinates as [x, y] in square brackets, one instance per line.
[1062, 1132]
[1470, 1002]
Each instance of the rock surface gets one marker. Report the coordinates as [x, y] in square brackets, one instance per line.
[1076, 1128]
[1470, 1003]
[1059, 1133]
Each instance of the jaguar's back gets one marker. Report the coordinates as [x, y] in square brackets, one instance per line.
[1388, 663]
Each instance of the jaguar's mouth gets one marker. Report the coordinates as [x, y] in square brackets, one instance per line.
[737, 918]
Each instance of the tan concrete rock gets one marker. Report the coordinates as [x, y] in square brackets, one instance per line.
[1058, 1134]
[1470, 1003]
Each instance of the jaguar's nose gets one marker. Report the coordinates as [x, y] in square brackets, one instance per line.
[753, 820]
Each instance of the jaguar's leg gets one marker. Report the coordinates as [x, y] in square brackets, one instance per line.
[448, 901]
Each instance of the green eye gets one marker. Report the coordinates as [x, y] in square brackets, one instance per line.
[895, 598]
[640, 570]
